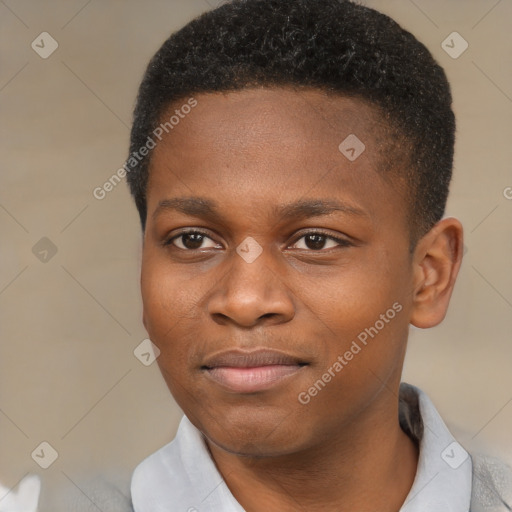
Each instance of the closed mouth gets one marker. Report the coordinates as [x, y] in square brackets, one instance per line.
[249, 372]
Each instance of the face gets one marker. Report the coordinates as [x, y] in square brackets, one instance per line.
[276, 277]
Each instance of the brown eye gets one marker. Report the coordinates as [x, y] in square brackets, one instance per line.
[316, 241]
[191, 240]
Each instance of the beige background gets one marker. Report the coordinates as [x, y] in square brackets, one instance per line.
[69, 326]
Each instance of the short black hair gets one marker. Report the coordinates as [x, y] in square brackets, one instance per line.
[337, 46]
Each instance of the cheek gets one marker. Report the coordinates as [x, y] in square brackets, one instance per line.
[366, 321]
[161, 298]
[351, 300]
[163, 319]
[170, 315]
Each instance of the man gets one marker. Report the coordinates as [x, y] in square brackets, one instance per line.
[290, 161]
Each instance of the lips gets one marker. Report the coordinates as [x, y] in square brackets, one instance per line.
[248, 372]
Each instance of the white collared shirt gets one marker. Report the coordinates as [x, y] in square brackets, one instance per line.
[182, 477]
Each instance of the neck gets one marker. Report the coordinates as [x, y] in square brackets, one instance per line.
[372, 461]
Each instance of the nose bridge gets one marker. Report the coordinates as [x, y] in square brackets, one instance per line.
[252, 287]
[255, 265]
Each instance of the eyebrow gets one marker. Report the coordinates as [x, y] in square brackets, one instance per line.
[302, 209]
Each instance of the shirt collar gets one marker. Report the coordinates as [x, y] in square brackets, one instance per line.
[444, 473]
[183, 476]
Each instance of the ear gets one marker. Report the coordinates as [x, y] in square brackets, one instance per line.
[436, 262]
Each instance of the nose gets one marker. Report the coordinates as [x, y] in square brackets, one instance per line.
[251, 293]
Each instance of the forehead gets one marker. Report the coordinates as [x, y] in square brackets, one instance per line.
[282, 115]
[270, 146]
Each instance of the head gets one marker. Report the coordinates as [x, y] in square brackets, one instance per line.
[291, 194]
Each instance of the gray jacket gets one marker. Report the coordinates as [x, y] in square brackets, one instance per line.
[492, 485]
[491, 482]
[492, 491]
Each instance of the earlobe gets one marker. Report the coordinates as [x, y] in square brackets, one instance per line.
[436, 262]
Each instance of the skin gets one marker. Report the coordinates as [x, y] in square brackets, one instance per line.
[249, 151]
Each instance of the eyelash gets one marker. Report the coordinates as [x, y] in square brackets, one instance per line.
[341, 241]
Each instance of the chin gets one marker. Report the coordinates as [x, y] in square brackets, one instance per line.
[248, 438]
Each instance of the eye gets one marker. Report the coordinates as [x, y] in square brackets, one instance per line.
[190, 240]
[316, 241]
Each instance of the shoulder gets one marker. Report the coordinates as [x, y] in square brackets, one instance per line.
[89, 494]
[492, 484]
[159, 470]
[155, 466]
[166, 478]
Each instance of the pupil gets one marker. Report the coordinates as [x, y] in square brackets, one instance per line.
[318, 241]
[195, 244]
